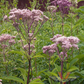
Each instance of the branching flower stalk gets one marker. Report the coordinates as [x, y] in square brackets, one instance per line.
[26, 23]
[64, 7]
[65, 43]
[51, 9]
[6, 41]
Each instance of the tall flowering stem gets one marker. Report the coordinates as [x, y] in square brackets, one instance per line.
[6, 41]
[51, 9]
[26, 23]
[64, 7]
[65, 43]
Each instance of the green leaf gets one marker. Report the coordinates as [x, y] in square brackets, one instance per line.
[81, 38]
[58, 68]
[41, 71]
[80, 56]
[13, 78]
[73, 62]
[54, 74]
[36, 81]
[82, 72]
[79, 21]
[37, 56]
[23, 73]
[17, 52]
[73, 68]
[79, 74]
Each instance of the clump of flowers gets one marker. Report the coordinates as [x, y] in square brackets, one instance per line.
[62, 45]
[65, 43]
[64, 5]
[51, 8]
[0, 81]
[6, 40]
[74, 2]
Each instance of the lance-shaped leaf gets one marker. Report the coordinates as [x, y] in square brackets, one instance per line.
[13, 78]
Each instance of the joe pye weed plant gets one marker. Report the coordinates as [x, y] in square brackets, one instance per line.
[27, 23]
[65, 43]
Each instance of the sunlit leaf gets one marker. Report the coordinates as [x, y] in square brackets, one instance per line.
[13, 78]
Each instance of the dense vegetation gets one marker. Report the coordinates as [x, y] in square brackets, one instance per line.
[41, 47]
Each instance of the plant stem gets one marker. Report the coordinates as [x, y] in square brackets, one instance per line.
[71, 26]
[52, 23]
[61, 70]
[29, 64]
[36, 66]
[29, 71]
[62, 25]
[49, 63]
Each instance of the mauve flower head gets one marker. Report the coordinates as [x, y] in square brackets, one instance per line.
[0, 83]
[26, 47]
[73, 40]
[5, 37]
[61, 53]
[66, 42]
[26, 15]
[14, 9]
[13, 37]
[32, 46]
[45, 18]
[73, 1]
[50, 48]
[64, 5]
[51, 51]
[12, 41]
[36, 12]
[55, 36]
[5, 17]
[30, 34]
[0, 80]
[60, 39]
[46, 48]
[67, 46]
[39, 77]
[4, 46]
[75, 46]
[51, 8]
[12, 17]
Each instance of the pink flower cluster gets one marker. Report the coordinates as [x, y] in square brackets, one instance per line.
[6, 38]
[65, 43]
[49, 49]
[26, 47]
[0, 81]
[64, 5]
[32, 47]
[26, 15]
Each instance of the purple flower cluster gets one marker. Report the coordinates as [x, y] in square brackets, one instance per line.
[6, 38]
[51, 49]
[0, 81]
[26, 15]
[64, 5]
[32, 47]
[65, 43]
